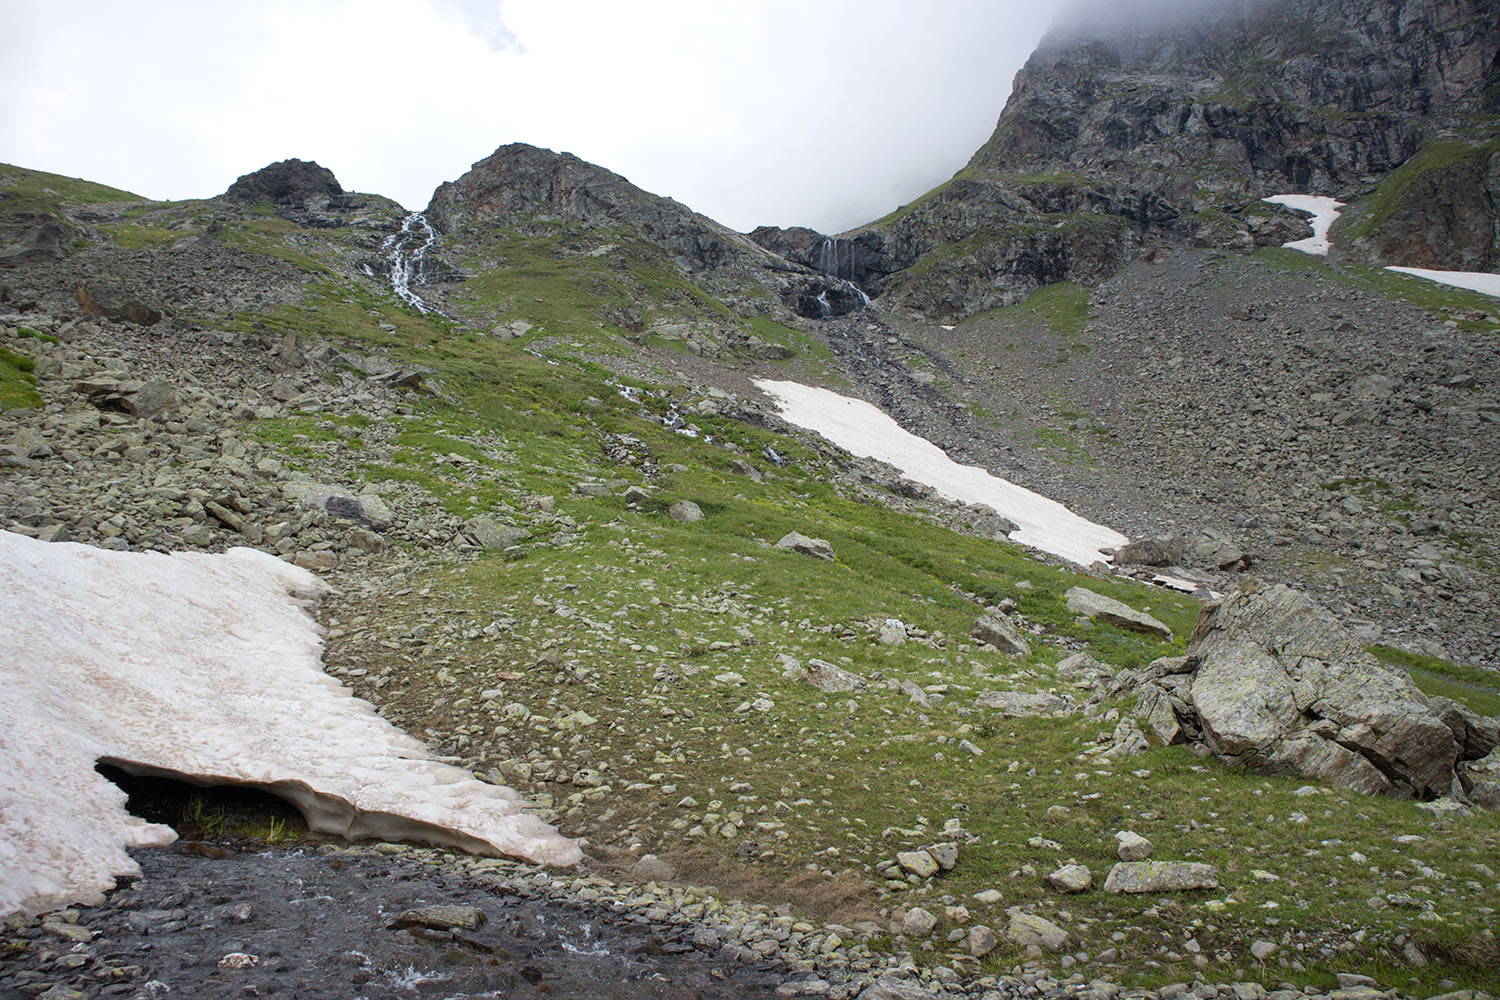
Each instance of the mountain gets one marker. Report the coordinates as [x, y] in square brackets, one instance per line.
[1150, 124]
[578, 550]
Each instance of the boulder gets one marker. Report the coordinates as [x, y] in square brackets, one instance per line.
[997, 631]
[824, 676]
[1161, 876]
[1029, 929]
[798, 542]
[1112, 612]
[919, 863]
[685, 512]
[1282, 687]
[1023, 703]
[491, 535]
[1131, 846]
[366, 508]
[1071, 878]
[1150, 552]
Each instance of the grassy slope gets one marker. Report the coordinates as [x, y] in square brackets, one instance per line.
[633, 619]
[625, 615]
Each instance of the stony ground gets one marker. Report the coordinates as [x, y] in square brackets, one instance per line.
[514, 588]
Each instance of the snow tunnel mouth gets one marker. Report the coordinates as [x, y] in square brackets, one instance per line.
[203, 810]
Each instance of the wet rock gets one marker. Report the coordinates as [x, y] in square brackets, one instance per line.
[443, 918]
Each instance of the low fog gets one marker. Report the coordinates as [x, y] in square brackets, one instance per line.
[778, 112]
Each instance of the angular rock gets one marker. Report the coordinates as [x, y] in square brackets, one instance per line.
[1150, 552]
[824, 676]
[492, 535]
[1071, 878]
[798, 542]
[997, 631]
[918, 922]
[1154, 707]
[1161, 876]
[1028, 929]
[896, 989]
[1282, 687]
[1132, 846]
[685, 512]
[946, 855]
[443, 918]
[1023, 703]
[367, 508]
[981, 941]
[919, 863]
[1112, 612]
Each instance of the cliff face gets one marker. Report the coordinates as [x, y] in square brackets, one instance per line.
[1141, 129]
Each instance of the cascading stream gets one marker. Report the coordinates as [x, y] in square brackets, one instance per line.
[828, 260]
[404, 252]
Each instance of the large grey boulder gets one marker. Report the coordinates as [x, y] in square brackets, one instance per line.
[366, 508]
[1023, 703]
[824, 676]
[798, 542]
[1112, 612]
[997, 631]
[1160, 876]
[492, 535]
[1282, 687]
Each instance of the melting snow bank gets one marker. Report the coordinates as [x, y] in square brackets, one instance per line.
[1323, 211]
[866, 430]
[1474, 281]
[205, 668]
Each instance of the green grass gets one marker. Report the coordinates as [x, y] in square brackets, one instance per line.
[1475, 687]
[18, 382]
[1396, 189]
[36, 192]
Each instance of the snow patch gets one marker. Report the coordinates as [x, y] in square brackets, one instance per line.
[205, 668]
[1323, 211]
[863, 429]
[1474, 281]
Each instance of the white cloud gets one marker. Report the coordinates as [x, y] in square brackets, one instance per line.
[824, 114]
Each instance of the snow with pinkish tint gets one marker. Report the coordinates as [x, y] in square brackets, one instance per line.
[1474, 281]
[865, 430]
[1323, 211]
[206, 668]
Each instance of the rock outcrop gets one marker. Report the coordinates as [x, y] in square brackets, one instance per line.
[1273, 681]
[1172, 130]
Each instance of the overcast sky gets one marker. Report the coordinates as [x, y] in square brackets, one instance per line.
[826, 113]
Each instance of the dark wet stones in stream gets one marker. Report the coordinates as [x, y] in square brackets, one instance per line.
[314, 923]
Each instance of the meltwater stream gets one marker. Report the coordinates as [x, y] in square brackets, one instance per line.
[404, 252]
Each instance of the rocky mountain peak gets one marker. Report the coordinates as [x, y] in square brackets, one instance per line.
[289, 182]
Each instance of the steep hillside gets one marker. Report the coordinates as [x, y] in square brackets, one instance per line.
[1129, 130]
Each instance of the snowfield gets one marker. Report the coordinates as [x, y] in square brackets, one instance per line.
[865, 430]
[1323, 211]
[1474, 281]
[206, 668]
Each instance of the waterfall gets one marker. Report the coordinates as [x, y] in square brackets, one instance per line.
[404, 251]
[831, 259]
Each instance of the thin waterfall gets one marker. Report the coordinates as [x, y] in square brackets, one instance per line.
[404, 252]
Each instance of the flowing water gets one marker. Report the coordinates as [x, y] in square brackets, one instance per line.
[405, 252]
[317, 926]
[831, 259]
